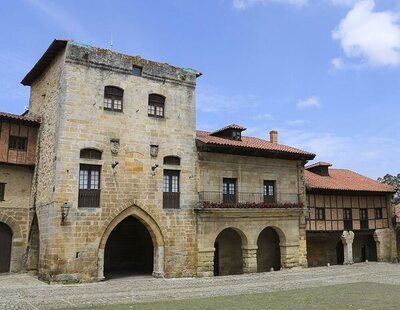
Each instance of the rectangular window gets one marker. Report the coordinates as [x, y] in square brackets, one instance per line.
[347, 219]
[18, 143]
[229, 190]
[378, 213]
[2, 191]
[269, 192]
[89, 186]
[171, 194]
[347, 214]
[113, 98]
[363, 218]
[320, 214]
[156, 105]
[136, 70]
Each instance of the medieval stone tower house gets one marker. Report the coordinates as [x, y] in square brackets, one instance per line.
[106, 175]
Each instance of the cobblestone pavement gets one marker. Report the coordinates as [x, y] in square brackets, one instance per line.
[22, 291]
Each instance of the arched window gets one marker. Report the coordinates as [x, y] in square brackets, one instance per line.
[113, 98]
[156, 105]
[172, 160]
[90, 154]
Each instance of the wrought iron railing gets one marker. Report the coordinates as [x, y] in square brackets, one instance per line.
[215, 199]
[171, 200]
[89, 198]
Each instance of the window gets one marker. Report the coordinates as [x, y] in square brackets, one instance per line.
[171, 189]
[18, 143]
[229, 190]
[320, 214]
[2, 191]
[347, 219]
[156, 105]
[113, 98]
[136, 70]
[90, 154]
[236, 135]
[363, 218]
[269, 191]
[89, 186]
[378, 213]
[172, 160]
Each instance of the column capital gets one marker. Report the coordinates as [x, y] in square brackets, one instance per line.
[347, 237]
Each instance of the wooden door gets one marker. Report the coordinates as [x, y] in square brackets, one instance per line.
[5, 247]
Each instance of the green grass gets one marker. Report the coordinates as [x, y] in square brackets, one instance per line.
[347, 296]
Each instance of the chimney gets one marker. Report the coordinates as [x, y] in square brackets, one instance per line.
[273, 136]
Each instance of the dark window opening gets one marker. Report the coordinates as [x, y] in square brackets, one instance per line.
[347, 219]
[113, 98]
[90, 154]
[229, 190]
[171, 194]
[236, 135]
[18, 143]
[156, 105]
[2, 191]
[363, 218]
[320, 214]
[89, 186]
[269, 191]
[378, 213]
[172, 160]
[137, 70]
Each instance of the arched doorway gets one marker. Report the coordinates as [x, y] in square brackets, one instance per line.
[268, 250]
[5, 247]
[129, 250]
[228, 258]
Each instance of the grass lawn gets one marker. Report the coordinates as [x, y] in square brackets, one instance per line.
[347, 296]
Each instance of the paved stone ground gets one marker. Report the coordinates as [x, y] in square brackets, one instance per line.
[22, 291]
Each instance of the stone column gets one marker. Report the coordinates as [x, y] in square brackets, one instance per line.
[347, 240]
[289, 255]
[249, 259]
[158, 267]
[205, 262]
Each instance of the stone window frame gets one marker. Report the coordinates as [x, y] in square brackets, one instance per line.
[156, 101]
[113, 93]
[320, 214]
[172, 160]
[137, 70]
[2, 191]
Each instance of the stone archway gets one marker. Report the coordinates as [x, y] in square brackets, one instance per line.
[228, 255]
[6, 237]
[146, 224]
[268, 250]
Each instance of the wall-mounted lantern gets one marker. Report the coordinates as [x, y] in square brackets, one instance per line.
[65, 211]
[153, 150]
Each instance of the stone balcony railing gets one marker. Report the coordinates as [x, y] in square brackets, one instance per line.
[214, 199]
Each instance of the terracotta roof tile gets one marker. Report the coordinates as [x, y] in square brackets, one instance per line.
[251, 143]
[318, 164]
[19, 117]
[231, 126]
[346, 180]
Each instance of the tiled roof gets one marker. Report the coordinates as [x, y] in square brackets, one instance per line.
[232, 126]
[19, 117]
[319, 164]
[251, 143]
[346, 180]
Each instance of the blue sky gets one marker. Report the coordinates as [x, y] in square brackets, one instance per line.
[324, 73]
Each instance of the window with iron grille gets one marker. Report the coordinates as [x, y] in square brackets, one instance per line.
[89, 186]
[156, 105]
[378, 213]
[90, 154]
[269, 191]
[2, 191]
[137, 70]
[320, 214]
[113, 98]
[171, 195]
[18, 143]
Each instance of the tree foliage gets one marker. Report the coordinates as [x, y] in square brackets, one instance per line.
[393, 180]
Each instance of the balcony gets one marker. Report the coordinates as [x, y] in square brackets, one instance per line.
[213, 199]
[89, 198]
[171, 200]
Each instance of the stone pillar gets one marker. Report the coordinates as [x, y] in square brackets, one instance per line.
[347, 240]
[100, 265]
[289, 255]
[249, 259]
[158, 267]
[384, 245]
[205, 262]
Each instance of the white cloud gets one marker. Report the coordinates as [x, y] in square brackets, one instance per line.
[310, 102]
[243, 4]
[371, 37]
[296, 122]
[344, 2]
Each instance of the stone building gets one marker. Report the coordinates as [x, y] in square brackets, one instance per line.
[122, 183]
[349, 217]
